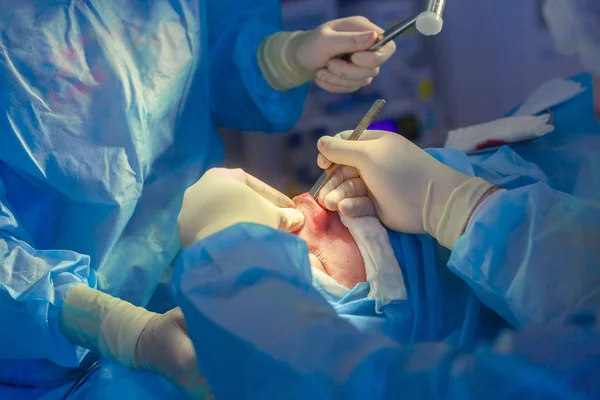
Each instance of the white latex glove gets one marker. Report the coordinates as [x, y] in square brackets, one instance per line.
[291, 59]
[224, 197]
[133, 336]
[411, 191]
[165, 348]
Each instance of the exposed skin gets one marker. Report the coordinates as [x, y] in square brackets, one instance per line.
[332, 249]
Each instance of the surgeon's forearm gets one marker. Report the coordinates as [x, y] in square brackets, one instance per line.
[278, 62]
[103, 323]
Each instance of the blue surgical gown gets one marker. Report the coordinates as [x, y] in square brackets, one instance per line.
[532, 255]
[108, 112]
[530, 258]
[262, 331]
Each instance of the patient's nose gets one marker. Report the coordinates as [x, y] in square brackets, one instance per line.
[316, 218]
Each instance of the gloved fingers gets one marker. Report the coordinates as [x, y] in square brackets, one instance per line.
[357, 207]
[185, 371]
[179, 355]
[325, 75]
[178, 319]
[239, 175]
[342, 174]
[331, 88]
[354, 24]
[200, 392]
[334, 42]
[373, 59]
[352, 188]
[349, 71]
[191, 381]
[165, 348]
[367, 135]
[289, 219]
[343, 135]
[341, 151]
[271, 194]
[322, 161]
[361, 57]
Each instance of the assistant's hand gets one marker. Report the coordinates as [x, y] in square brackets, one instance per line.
[411, 191]
[291, 59]
[319, 50]
[133, 336]
[224, 197]
[165, 348]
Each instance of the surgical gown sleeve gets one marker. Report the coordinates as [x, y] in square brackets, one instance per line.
[531, 254]
[261, 331]
[542, 259]
[240, 97]
[33, 285]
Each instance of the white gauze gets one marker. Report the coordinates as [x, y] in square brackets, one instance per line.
[382, 269]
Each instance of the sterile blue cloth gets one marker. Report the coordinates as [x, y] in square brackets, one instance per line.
[255, 319]
[108, 112]
[541, 255]
[107, 382]
[530, 256]
[575, 25]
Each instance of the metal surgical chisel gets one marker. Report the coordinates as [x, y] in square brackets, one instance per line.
[389, 35]
[362, 126]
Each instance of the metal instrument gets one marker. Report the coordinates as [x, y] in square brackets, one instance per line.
[429, 22]
[393, 32]
[436, 6]
[362, 126]
[81, 380]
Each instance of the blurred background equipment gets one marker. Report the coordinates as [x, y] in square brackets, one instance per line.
[475, 70]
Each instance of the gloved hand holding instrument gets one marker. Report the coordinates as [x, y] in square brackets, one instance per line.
[410, 190]
[341, 55]
[290, 59]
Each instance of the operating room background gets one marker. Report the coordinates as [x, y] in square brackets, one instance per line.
[489, 56]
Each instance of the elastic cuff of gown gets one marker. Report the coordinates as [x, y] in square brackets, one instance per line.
[458, 210]
[282, 109]
[102, 323]
[277, 65]
[62, 351]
